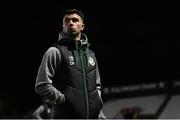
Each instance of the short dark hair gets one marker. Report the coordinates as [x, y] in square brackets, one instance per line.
[74, 11]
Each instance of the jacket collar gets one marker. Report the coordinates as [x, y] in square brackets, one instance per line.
[65, 40]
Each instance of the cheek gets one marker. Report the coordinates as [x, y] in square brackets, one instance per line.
[80, 27]
[65, 28]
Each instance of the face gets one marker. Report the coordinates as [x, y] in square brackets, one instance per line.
[72, 24]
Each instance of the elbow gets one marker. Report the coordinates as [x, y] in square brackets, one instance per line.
[41, 89]
[38, 90]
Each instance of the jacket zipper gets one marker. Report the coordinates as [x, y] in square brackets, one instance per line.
[83, 65]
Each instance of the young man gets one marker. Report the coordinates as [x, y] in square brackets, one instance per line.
[69, 75]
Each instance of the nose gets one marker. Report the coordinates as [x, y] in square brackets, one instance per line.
[70, 22]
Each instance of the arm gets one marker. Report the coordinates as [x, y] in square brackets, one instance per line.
[98, 80]
[98, 83]
[46, 72]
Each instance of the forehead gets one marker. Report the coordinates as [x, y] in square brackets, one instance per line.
[70, 16]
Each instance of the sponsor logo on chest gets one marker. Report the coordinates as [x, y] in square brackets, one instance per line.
[72, 61]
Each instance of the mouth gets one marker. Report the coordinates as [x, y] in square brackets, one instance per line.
[71, 28]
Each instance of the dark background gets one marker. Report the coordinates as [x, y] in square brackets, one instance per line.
[134, 43]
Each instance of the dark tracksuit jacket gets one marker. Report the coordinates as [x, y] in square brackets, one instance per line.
[69, 76]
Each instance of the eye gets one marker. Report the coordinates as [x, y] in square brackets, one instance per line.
[75, 20]
[66, 20]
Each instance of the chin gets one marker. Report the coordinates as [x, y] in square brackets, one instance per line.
[72, 33]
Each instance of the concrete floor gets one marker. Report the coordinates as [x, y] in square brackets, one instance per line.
[172, 110]
[148, 104]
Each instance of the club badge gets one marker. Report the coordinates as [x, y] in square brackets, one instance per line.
[91, 61]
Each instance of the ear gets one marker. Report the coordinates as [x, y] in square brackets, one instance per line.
[63, 25]
[83, 26]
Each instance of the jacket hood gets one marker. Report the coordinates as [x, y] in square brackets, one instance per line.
[63, 38]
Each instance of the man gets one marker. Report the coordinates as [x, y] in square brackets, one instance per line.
[69, 75]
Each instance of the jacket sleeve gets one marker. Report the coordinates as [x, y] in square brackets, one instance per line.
[46, 72]
[98, 80]
[98, 83]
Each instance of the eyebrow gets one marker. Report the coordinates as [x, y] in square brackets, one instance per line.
[73, 19]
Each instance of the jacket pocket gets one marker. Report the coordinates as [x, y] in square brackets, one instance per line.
[75, 100]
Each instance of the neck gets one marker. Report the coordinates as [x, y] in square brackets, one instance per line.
[76, 37]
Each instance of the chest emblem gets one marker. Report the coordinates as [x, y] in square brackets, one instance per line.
[71, 60]
[91, 61]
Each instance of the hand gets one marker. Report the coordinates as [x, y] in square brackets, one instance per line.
[61, 98]
[56, 98]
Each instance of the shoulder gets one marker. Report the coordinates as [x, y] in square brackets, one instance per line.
[91, 52]
[52, 50]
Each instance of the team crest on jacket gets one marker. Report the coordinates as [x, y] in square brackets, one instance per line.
[91, 61]
[71, 60]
